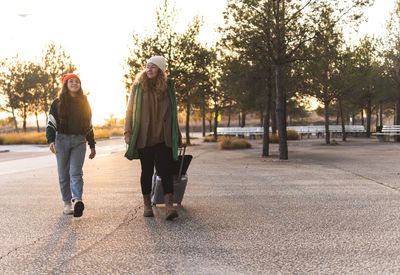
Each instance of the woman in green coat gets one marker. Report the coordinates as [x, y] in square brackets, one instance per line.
[152, 132]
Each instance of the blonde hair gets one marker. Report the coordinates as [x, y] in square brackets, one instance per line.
[157, 85]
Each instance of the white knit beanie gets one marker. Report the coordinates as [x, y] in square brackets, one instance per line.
[159, 61]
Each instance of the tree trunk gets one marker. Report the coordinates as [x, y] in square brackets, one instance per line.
[187, 124]
[229, 117]
[281, 114]
[239, 120]
[210, 121]
[216, 122]
[342, 120]
[380, 115]
[362, 117]
[268, 86]
[273, 116]
[46, 105]
[243, 119]
[397, 138]
[203, 117]
[24, 118]
[15, 120]
[368, 116]
[337, 117]
[37, 121]
[377, 118]
[327, 134]
[353, 119]
[261, 117]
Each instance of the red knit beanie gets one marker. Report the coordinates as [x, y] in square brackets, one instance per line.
[68, 76]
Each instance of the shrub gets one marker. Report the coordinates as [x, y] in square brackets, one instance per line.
[233, 143]
[292, 135]
[209, 139]
[273, 138]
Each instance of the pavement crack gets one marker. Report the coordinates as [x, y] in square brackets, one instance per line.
[370, 179]
[20, 247]
[359, 175]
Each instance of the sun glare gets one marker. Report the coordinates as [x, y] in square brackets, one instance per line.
[99, 44]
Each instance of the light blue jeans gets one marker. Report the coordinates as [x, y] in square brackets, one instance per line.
[70, 154]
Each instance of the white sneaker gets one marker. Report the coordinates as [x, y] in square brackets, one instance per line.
[68, 210]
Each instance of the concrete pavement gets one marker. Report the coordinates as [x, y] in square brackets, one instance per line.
[329, 209]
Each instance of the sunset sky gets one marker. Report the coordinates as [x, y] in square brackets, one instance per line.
[97, 35]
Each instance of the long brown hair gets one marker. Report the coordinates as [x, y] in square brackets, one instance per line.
[65, 98]
[157, 85]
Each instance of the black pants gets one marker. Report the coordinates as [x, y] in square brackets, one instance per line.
[159, 156]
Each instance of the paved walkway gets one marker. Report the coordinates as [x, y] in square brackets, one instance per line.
[328, 210]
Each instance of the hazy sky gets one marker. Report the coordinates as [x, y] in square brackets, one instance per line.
[97, 35]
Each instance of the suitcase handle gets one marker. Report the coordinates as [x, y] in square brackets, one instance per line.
[183, 157]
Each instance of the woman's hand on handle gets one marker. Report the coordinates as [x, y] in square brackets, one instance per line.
[92, 153]
[52, 147]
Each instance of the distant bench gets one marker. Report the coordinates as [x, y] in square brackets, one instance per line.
[240, 131]
[387, 132]
[317, 131]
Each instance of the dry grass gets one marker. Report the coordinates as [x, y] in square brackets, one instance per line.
[209, 139]
[101, 133]
[23, 138]
[117, 132]
[107, 133]
[193, 137]
[227, 143]
[40, 138]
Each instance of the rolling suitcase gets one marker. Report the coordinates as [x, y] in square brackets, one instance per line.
[180, 179]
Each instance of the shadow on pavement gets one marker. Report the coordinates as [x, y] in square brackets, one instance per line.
[58, 248]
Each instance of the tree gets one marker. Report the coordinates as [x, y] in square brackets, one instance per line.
[345, 83]
[275, 32]
[163, 42]
[321, 67]
[392, 57]
[187, 60]
[25, 86]
[55, 62]
[368, 75]
[192, 73]
[40, 78]
[8, 77]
